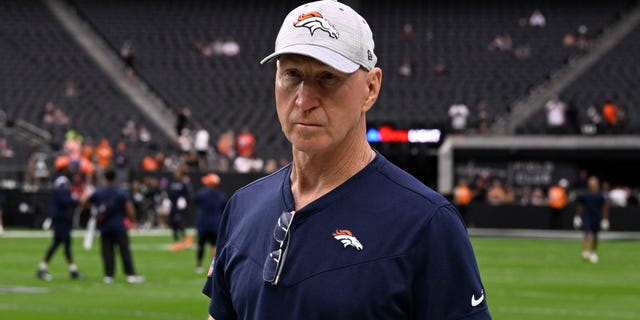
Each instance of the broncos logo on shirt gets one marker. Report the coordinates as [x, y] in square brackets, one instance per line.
[347, 239]
[314, 21]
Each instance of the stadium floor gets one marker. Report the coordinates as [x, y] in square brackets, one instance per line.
[525, 277]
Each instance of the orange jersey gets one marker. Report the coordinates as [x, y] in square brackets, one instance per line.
[462, 195]
[557, 197]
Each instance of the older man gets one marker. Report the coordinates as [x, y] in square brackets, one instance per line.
[340, 233]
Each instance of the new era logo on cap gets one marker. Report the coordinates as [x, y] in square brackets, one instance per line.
[330, 32]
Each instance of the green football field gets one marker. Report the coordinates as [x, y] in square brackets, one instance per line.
[524, 279]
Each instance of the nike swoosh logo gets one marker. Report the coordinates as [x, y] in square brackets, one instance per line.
[475, 302]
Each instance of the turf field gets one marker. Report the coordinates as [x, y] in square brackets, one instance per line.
[524, 279]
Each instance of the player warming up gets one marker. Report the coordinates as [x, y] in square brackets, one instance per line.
[63, 204]
[210, 202]
[113, 205]
[592, 215]
[341, 232]
[179, 197]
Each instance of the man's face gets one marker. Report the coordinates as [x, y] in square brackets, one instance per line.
[320, 108]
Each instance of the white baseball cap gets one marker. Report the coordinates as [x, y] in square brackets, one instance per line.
[330, 32]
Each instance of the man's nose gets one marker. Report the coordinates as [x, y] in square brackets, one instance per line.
[307, 96]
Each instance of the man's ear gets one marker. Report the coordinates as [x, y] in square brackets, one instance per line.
[374, 81]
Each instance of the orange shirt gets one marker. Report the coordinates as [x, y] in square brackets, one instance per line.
[150, 163]
[244, 144]
[103, 155]
[462, 195]
[610, 113]
[557, 197]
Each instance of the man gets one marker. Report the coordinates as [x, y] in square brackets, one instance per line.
[592, 215]
[210, 202]
[557, 202]
[113, 204]
[458, 113]
[178, 195]
[63, 204]
[340, 233]
[462, 197]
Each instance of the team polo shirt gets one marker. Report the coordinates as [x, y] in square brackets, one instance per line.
[210, 203]
[592, 216]
[111, 203]
[62, 207]
[414, 259]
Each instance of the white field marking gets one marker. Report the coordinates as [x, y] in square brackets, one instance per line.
[595, 314]
[19, 289]
[124, 314]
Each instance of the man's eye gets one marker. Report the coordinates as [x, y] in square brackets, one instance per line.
[329, 76]
[293, 73]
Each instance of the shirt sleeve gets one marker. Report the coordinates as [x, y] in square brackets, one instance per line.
[216, 286]
[447, 281]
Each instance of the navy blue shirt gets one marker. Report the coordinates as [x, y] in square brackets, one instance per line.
[62, 206]
[111, 202]
[415, 262]
[179, 196]
[210, 204]
[592, 203]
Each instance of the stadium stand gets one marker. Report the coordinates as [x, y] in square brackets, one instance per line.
[458, 33]
[232, 92]
[615, 78]
[222, 92]
[39, 59]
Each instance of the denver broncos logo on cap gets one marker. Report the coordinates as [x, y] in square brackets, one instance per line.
[347, 239]
[314, 21]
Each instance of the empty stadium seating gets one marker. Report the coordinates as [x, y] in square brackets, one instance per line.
[615, 77]
[39, 57]
[236, 92]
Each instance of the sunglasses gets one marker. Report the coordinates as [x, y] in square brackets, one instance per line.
[275, 260]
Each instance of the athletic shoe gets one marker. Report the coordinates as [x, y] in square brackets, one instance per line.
[75, 275]
[586, 255]
[108, 280]
[135, 279]
[44, 275]
[199, 270]
[177, 246]
[593, 258]
[188, 241]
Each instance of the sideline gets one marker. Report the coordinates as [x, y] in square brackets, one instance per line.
[549, 234]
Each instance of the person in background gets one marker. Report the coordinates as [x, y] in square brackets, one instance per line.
[592, 215]
[63, 203]
[113, 206]
[458, 114]
[610, 116]
[121, 163]
[496, 193]
[104, 153]
[210, 202]
[557, 202]
[179, 196]
[462, 197]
